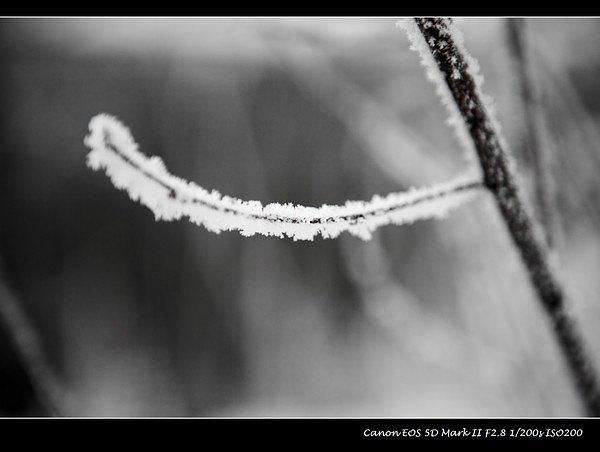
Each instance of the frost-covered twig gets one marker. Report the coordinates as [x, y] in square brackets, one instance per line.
[439, 42]
[536, 144]
[432, 73]
[170, 198]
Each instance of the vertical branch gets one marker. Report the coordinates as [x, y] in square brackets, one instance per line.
[454, 64]
[537, 151]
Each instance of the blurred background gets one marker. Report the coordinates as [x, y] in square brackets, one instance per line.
[126, 316]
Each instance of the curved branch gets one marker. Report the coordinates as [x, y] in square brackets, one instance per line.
[169, 197]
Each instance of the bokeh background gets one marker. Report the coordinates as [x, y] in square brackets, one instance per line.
[141, 318]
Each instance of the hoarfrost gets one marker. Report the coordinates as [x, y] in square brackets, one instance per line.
[148, 181]
[419, 45]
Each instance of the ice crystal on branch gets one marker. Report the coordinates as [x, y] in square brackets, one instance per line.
[148, 181]
[450, 36]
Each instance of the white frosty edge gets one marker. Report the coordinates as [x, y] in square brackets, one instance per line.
[475, 72]
[433, 74]
[148, 181]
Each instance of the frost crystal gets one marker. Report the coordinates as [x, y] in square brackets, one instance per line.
[148, 181]
[419, 45]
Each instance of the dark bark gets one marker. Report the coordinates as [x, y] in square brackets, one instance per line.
[500, 180]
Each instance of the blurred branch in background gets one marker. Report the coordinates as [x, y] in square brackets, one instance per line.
[372, 124]
[537, 149]
[26, 342]
[576, 129]
[390, 305]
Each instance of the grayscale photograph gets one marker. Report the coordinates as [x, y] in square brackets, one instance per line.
[240, 217]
